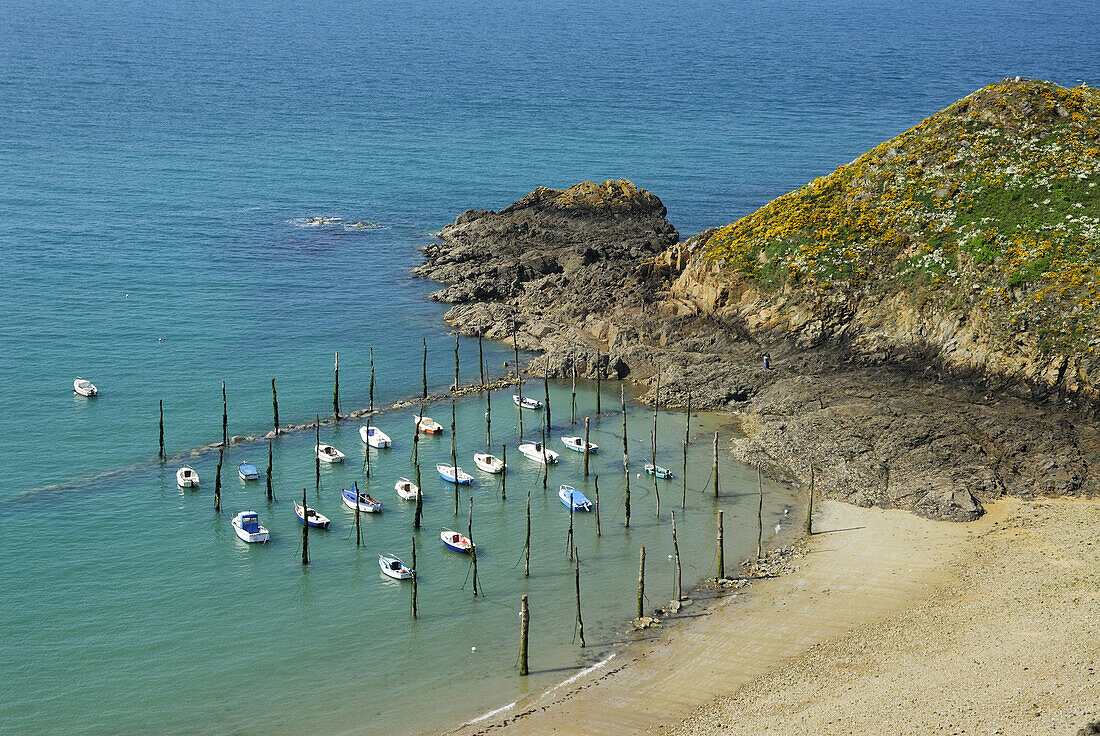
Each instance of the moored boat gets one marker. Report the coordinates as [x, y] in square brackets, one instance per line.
[570, 496]
[406, 489]
[488, 463]
[248, 471]
[310, 516]
[451, 474]
[85, 388]
[526, 402]
[329, 454]
[366, 503]
[537, 452]
[247, 526]
[457, 542]
[375, 437]
[186, 477]
[427, 425]
[660, 472]
[394, 567]
[577, 444]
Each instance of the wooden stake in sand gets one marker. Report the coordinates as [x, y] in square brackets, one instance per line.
[225, 419]
[527, 539]
[415, 610]
[275, 405]
[721, 549]
[641, 580]
[218, 482]
[305, 529]
[161, 455]
[580, 622]
[473, 547]
[759, 513]
[626, 464]
[335, 389]
[524, 625]
[810, 506]
[676, 553]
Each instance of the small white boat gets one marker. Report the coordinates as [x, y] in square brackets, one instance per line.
[457, 542]
[660, 472]
[451, 474]
[247, 526]
[488, 463]
[374, 437]
[577, 444]
[394, 567]
[186, 477]
[329, 454]
[570, 496]
[406, 489]
[310, 516]
[427, 425]
[85, 388]
[366, 503]
[537, 452]
[526, 402]
[248, 471]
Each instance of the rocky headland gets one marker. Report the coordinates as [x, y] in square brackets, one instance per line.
[929, 309]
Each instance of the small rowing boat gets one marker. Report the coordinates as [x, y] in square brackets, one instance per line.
[248, 471]
[366, 503]
[570, 496]
[406, 489]
[329, 454]
[456, 541]
[577, 444]
[186, 477]
[85, 388]
[526, 402]
[659, 471]
[488, 463]
[535, 451]
[310, 516]
[394, 567]
[427, 425]
[451, 474]
[247, 526]
[375, 437]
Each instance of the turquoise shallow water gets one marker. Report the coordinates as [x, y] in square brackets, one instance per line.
[158, 163]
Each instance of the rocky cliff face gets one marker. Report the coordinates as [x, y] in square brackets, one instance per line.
[893, 382]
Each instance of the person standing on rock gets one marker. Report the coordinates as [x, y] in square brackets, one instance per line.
[767, 362]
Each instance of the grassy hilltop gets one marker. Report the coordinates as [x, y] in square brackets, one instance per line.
[989, 208]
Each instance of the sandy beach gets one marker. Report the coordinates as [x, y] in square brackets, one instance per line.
[889, 623]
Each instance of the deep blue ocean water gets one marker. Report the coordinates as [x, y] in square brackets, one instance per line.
[158, 162]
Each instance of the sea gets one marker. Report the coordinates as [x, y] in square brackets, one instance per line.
[161, 166]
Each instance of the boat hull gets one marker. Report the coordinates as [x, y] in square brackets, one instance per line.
[318, 521]
[453, 475]
[574, 498]
[489, 464]
[376, 439]
[402, 573]
[406, 489]
[364, 506]
[258, 537]
[187, 481]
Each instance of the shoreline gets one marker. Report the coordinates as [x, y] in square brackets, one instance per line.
[850, 577]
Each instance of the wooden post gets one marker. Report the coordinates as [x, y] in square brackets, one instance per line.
[524, 625]
[335, 389]
[316, 455]
[275, 405]
[586, 427]
[546, 387]
[162, 456]
[305, 529]
[810, 506]
[225, 419]
[488, 419]
[416, 467]
[503, 473]
[656, 408]
[759, 513]
[515, 348]
[716, 465]
[415, 610]
[454, 455]
[527, 539]
[573, 402]
[721, 549]
[626, 464]
[599, 372]
[366, 451]
[270, 494]
[372, 380]
[455, 386]
[641, 580]
[545, 464]
[580, 623]
[218, 482]
[599, 530]
[570, 537]
[676, 552]
[425, 366]
[473, 547]
[358, 532]
[687, 440]
[480, 359]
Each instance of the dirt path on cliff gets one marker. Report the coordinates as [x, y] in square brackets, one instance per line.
[864, 566]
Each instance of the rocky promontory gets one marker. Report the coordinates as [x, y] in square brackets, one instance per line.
[907, 370]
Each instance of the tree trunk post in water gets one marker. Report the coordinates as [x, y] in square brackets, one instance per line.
[577, 567]
[626, 466]
[573, 401]
[641, 580]
[569, 540]
[716, 465]
[504, 472]
[425, 367]
[162, 456]
[586, 427]
[275, 405]
[358, 532]
[687, 441]
[721, 549]
[473, 547]
[515, 348]
[545, 464]
[676, 552]
[316, 454]
[371, 405]
[415, 610]
[527, 539]
[218, 482]
[455, 386]
[599, 530]
[454, 455]
[599, 372]
[759, 513]
[810, 506]
[225, 419]
[305, 529]
[366, 452]
[524, 625]
[488, 419]
[480, 359]
[416, 467]
[270, 493]
[335, 389]
[546, 387]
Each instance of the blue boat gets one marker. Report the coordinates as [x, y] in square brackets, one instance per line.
[454, 475]
[659, 471]
[310, 516]
[570, 496]
[364, 501]
[457, 542]
[248, 471]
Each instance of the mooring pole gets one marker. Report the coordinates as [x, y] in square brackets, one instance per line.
[415, 610]
[504, 472]
[524, 625]
[455, 386]
[687, 440]
[372, 380]
[716, 465]
[759, 513]
[626, 464]
[275, 405]
[599, 530]
[721, 549]
[515, 348]
[599, 372]
[586, 422]
[416, 467]
[545, 463]
[316, 453]
[425, 366]
[225, 419]
[270, 493]
[573, 403]
[366, 451]
[676, 552]
[641, 580]
[218, 482]
[527, 539]
[580, 623]
[358, 532]
[569, 540]
[810, 506]
[454, 455]
[480, 359]
[162, 456]
[546, 386]
[473, 547]
[488, 419]
[305, 529]
[335, 389]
